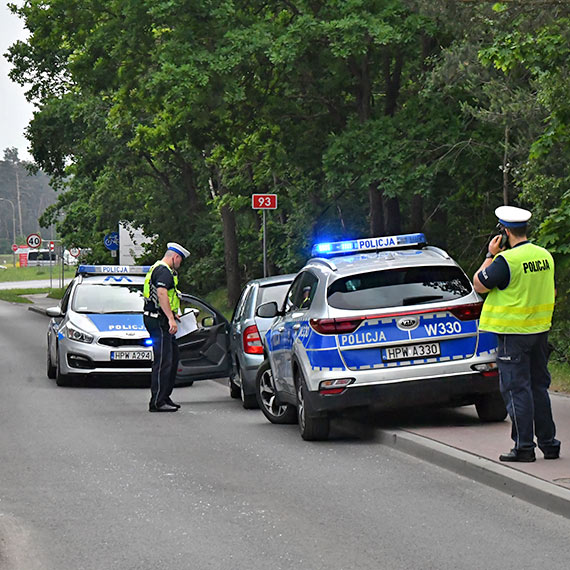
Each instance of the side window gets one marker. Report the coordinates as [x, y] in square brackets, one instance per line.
[302, 292]
[65, 298]
[240, 305]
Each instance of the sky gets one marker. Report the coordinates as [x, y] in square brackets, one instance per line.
[15, 111]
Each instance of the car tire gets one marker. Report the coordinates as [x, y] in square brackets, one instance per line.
[491, 408]
[61, 379]
[51, 370]
[248, 401]
[313, 426]
[266, 398]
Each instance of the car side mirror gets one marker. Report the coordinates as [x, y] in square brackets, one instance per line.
[208, 322]
[53, 312]
[267, 310]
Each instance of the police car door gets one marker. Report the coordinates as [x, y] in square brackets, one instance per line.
[298, 305]
[204, 352]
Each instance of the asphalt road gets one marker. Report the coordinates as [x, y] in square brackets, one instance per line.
[89, 480]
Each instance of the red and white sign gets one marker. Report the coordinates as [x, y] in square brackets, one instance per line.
[34, 241]
[264, 201]
[51, 245]
[74, 251]
[15, 247]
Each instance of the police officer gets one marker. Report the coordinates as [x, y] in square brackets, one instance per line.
[518, 308]
[160, 314]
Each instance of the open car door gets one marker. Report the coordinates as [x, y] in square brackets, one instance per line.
[204, 352]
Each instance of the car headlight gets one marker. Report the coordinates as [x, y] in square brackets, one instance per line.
[73, 333]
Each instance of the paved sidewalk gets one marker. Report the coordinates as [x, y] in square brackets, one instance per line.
[457, 440]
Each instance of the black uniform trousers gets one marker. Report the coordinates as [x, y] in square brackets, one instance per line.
[165, 363]
[522, 360]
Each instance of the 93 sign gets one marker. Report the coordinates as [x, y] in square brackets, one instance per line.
[264, 201]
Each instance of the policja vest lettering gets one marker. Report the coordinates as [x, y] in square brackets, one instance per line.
[526, 305]
[173, 297]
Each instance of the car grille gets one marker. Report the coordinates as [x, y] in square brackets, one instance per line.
[85, 363]
[114, 341]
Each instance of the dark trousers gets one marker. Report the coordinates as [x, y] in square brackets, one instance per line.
[165, 364]
[524, 380]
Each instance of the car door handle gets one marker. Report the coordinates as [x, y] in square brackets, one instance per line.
[297, 327]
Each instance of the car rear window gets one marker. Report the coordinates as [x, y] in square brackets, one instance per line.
[99, 298]
[272, 293]
[398, 287]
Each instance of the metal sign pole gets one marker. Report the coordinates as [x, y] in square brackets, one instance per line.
[264, 248]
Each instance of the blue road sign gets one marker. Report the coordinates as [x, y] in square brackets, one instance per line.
[111, 241]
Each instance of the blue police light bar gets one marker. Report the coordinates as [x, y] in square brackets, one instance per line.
[368, 244]
[113, 269]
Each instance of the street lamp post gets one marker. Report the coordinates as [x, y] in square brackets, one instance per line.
[13, 223]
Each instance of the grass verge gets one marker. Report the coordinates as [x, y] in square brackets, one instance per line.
[32, 273]
[560, 372]
[19, 295]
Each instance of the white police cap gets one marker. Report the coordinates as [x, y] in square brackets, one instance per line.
[177, 248]
[512, 217]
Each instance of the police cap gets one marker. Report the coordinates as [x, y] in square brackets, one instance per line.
[511, 217]
[177, 248]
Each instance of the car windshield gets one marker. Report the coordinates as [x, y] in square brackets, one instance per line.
[398, 287]
[101, 298]
[272, 293]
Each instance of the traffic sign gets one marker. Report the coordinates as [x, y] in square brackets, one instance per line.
[74, 251]
[51, 245]
[15, 247]
[34, 241]
[264, 201]
[111, 241]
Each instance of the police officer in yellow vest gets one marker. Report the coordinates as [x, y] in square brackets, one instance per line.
[160, 314]
[518, 308]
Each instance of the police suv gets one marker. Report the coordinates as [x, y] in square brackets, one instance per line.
[381, 322]
[98, 330]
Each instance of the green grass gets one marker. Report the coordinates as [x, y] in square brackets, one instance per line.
[31, 273]
[219, 300]
[560, 372]
[17, 295]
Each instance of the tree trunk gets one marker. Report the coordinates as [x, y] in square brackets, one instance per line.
[231, 262]
[506, 167]
[376, 210]
[417, 213]
[393, 220]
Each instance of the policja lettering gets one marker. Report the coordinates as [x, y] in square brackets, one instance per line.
[538, 265]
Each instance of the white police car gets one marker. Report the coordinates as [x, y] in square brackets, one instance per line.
[382, 322]
[98, 330]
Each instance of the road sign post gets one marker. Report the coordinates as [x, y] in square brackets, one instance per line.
[264, 202]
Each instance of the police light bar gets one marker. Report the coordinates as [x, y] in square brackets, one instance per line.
[113, 269]
[368, 244]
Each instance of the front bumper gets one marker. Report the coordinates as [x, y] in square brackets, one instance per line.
[453, 390]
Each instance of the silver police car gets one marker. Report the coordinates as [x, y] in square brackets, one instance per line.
[376, 323]
[98, 330]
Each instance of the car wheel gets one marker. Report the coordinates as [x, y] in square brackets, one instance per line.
[249, 401]
[313, 427]
[61, 379]
[51, 370]
[491, 408]
[235, 391]
[265, 392]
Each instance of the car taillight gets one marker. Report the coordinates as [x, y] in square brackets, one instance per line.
[469, 312]
[252, 341]
[336, 326]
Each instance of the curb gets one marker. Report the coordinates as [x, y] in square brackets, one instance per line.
[516, 483]
[37, 309]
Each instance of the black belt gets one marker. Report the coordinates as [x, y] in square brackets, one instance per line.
[152, 315]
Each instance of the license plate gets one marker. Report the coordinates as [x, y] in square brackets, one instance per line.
[412, 351]
[131, 355]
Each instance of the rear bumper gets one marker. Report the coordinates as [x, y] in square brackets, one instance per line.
[455, 391]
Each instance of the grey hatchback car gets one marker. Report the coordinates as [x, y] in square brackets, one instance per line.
[247, 330]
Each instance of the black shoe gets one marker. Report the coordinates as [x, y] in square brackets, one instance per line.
[555, 454]
[171, 403]
[516, 455]
[162, 408]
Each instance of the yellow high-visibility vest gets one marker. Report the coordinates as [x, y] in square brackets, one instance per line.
[527, 304]
[173, 298]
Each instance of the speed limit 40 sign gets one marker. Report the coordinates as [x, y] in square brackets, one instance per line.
[264, 201]
[34, 241]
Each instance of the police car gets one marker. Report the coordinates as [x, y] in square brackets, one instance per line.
[98, 330]
[380, 322]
